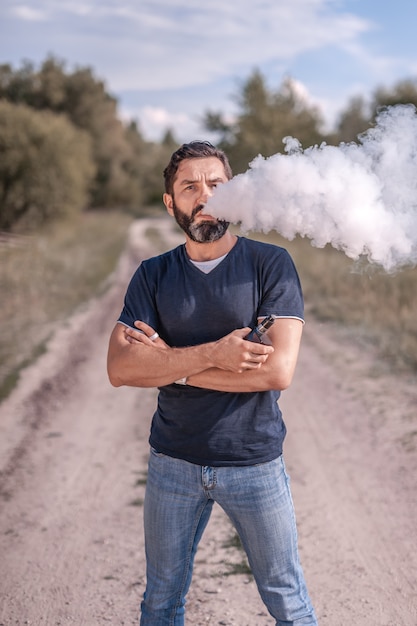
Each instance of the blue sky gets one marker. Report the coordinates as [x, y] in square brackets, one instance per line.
[168, 61]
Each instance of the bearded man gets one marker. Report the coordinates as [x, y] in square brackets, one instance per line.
[217, 433]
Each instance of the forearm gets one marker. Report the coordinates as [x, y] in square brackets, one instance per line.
[135, 360]
[144, 366]
[262, 379]
[274, 373]
[218, 380]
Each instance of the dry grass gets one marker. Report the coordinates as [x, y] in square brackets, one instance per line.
[376, 306]
[45, 277]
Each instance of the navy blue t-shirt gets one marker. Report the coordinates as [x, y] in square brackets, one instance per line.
[188, 307]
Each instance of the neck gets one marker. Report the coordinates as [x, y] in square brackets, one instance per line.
[212, 250]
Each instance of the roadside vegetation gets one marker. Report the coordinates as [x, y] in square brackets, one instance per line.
[45, 277]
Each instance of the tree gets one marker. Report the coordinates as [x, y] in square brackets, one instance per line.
[353, 121]
[403, 92]
[85, 101]
[158, 157]
[46, 167]
[359, 116]
[264, 118]
[17, 86]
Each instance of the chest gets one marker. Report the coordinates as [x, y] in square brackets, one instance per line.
[198, 307]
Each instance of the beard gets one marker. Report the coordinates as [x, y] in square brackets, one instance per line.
[203, 232]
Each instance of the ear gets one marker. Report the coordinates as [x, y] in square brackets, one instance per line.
[168, 201]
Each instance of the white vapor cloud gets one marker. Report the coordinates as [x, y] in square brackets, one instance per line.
[360, 198]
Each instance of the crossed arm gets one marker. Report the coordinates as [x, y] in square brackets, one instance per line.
[229, 364]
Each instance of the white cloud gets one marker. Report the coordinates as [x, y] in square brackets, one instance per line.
[155, 121]
[27, 13]
[216, 41]
[158, 44]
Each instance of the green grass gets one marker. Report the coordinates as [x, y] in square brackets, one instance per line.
[46, 277]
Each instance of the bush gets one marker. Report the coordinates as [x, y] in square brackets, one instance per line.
[46, 167]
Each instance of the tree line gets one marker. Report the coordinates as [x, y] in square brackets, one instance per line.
[265, 116]
[63, 147]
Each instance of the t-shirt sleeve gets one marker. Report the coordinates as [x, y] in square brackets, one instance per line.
[139, 302]
[282, 294]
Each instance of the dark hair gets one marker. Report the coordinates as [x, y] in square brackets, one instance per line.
[193, 150]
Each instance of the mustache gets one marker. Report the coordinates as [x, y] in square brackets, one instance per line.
[197, 209]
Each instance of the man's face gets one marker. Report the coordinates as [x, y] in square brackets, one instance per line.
[194, 184]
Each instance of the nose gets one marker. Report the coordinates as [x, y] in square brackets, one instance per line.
[206, 193]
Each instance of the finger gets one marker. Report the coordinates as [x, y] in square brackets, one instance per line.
[146, 331]
[241, 332]
[144, 327]
[149, 332]
[260, 349]
[258, 358]
[139, 336]
[134, 333]
[251, 365]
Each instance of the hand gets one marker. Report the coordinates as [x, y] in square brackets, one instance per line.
[143, 335]
[235, 354]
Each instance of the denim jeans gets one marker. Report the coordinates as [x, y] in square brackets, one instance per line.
[178, 502]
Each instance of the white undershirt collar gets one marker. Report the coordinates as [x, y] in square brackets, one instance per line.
[208, 266]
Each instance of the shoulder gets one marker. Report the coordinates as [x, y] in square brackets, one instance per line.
[151, 270]
[271, 262]
[263, 251]
[164, 258]
[162, 261]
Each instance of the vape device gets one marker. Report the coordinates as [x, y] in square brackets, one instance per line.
[258, 334]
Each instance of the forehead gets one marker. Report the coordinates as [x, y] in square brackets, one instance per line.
[208, 168]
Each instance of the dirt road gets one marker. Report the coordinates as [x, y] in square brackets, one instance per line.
[73, 455]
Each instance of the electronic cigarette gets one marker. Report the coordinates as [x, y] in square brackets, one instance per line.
[258, 334]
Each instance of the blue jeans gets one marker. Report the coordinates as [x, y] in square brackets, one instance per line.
[257, 499]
